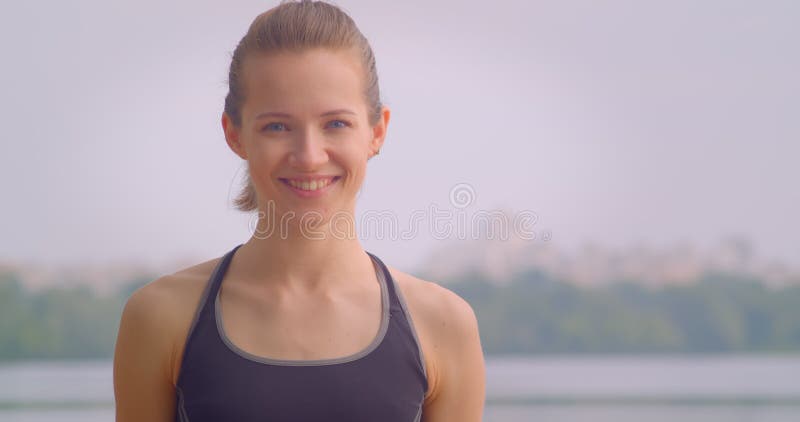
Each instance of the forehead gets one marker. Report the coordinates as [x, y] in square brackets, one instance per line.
[298, 82]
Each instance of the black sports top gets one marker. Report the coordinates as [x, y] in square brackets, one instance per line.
[220, 382]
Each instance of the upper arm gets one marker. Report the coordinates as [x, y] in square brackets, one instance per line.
[143, 387]
[459, 380]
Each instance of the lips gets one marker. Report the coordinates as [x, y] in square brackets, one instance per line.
[310, 185]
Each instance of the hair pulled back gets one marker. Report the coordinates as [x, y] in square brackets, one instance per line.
[297, 26]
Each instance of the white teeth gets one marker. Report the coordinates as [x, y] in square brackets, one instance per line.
[310, 186]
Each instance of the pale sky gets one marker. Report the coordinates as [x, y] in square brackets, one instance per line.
[614, 121]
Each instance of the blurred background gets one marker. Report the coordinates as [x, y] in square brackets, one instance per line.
[654, 143]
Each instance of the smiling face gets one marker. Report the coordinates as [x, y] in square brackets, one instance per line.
[305, 131]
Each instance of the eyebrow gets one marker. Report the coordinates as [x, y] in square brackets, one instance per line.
[286, 115]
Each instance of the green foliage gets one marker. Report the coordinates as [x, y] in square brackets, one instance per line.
[56, 323]
[533, 313]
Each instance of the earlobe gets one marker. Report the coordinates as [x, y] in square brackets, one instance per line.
[379, 131]
[237, 147]
[232, 137]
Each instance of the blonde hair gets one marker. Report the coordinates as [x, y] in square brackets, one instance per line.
[296, 26]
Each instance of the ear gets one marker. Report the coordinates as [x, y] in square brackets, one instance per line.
[232, 136]
[379, 131]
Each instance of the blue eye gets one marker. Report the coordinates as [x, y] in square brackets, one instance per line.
[273, 125]
[344, 124]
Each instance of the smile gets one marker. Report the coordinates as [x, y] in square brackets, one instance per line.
[310, 185]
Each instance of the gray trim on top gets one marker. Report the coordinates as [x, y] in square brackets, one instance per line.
[181, 407]
[198, 311]
[410, 323]
[418, 418]
[384, 326]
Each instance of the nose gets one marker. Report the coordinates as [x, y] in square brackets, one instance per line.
[309, 151]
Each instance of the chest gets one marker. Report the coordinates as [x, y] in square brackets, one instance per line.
[351, 358]
[301, 330]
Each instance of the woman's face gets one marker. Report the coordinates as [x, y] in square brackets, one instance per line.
[305, 123]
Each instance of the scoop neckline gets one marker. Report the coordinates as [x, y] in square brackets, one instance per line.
[376, 341]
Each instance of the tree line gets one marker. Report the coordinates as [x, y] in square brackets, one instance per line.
[718, 313]
[533, 313]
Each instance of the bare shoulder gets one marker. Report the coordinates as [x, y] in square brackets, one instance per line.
[171, 302]
[437, 307]
[446, 326]
[149, 345]
[450, 340]
[178, 287]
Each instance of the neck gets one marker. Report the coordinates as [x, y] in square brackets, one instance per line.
[295, 257]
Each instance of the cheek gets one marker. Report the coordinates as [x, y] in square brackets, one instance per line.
[355, 157]
[359, 148]
[261, 164]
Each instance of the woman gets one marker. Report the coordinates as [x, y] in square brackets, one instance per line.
[299, 323]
